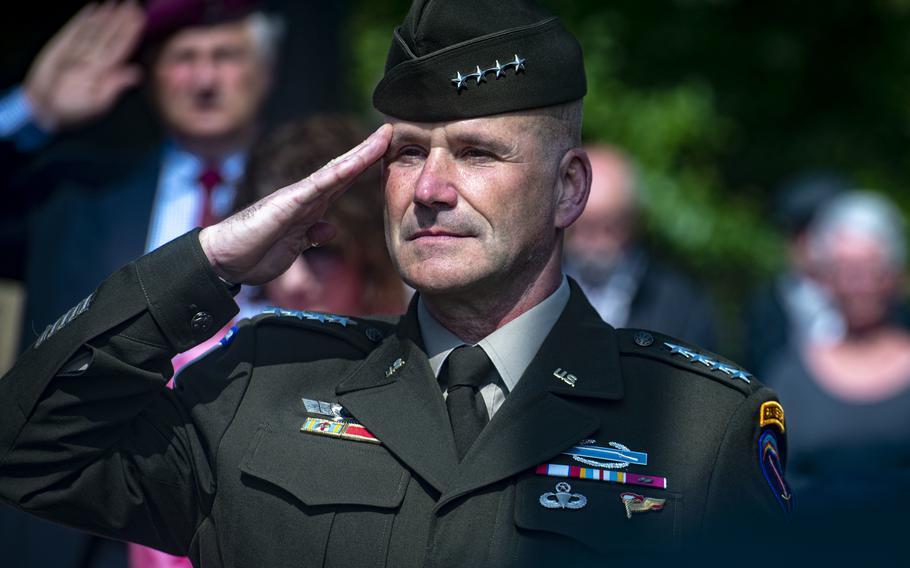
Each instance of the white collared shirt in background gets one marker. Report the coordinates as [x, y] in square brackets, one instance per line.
[178, 199]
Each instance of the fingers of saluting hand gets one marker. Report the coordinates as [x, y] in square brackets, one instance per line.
[85, 35]
[336, 176]
[119, 36]
[68, 35]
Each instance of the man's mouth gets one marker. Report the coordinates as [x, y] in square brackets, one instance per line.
[436, 234]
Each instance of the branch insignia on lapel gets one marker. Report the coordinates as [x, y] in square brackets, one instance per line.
[565, 377]
[394, 367]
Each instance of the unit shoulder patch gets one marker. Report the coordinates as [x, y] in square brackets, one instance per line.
[674, 352]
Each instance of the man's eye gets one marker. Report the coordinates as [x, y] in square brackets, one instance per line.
[476, 153]
[411, 152]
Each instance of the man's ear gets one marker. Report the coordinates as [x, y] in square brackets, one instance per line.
[573, 187]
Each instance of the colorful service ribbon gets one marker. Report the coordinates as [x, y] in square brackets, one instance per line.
[559, 470]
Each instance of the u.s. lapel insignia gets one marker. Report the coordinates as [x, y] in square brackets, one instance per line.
[339, 429]
[635, 503]
[394, 367]
[565, 377]
[771, 413]
[617, 456]
[563, 498]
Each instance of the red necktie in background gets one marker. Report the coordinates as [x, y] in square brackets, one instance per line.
[208, 180]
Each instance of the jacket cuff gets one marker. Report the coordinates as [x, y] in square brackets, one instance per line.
[184, 295]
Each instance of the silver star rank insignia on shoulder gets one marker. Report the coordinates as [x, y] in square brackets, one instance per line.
[307, 315]
[699, 358]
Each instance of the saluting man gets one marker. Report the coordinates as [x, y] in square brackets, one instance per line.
[500, 422]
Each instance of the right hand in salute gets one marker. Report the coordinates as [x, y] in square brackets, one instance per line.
[82, 71]
[260, 242]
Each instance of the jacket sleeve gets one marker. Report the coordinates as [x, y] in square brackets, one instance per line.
[747, 490]
[89, 434]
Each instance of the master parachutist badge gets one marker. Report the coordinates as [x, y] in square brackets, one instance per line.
[563, 499]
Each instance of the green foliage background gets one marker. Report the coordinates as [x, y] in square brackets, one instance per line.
[720, 102]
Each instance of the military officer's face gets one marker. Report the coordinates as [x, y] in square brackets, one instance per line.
[472, 204]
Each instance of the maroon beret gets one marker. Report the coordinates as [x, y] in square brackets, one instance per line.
[166, 17]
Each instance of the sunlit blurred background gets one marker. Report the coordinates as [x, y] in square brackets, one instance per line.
[764, 147]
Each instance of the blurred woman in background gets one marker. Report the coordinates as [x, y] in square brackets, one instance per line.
[352, 274]
[848, 401]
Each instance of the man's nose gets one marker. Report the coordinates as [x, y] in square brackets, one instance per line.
[436, 185]
[205, 73]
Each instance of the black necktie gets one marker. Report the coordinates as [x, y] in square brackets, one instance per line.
[466, 371]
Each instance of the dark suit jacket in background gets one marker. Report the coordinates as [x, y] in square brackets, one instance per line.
[219, 467]
[672, 303]
[94, 220]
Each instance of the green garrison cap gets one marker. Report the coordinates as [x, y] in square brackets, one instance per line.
[456, 59]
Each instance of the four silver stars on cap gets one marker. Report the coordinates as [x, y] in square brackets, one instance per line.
[461, 81]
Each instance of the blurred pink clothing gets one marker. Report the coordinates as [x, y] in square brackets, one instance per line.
[144, 557]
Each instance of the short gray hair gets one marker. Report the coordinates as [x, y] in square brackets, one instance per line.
[864, 213]
[267, 31]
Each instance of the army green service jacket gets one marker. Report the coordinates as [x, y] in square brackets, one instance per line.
[239, 465]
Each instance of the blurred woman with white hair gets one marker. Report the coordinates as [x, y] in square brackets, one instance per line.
[848, 401]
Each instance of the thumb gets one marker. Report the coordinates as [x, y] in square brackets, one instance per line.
[119, 81]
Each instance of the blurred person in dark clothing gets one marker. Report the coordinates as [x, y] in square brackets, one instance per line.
[207, 67]
[793, 306]
[848, 401]
[624, 283]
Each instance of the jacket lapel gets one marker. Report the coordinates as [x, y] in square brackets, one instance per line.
[544, 414]
[403, 407]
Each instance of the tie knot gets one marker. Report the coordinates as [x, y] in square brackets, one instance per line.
[468, 366]
[210, 177]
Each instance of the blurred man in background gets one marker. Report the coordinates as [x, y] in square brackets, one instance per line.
[207, 67]
[794, 307]
[624, 283]
[208, 71]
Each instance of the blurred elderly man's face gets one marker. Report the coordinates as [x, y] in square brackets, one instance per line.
[598, 239]
[472, 202]
[209, 82]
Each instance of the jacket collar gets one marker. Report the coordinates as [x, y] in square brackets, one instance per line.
[543, 416]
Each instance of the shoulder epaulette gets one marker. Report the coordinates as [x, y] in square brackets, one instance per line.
[638, 342]
[365, 333]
